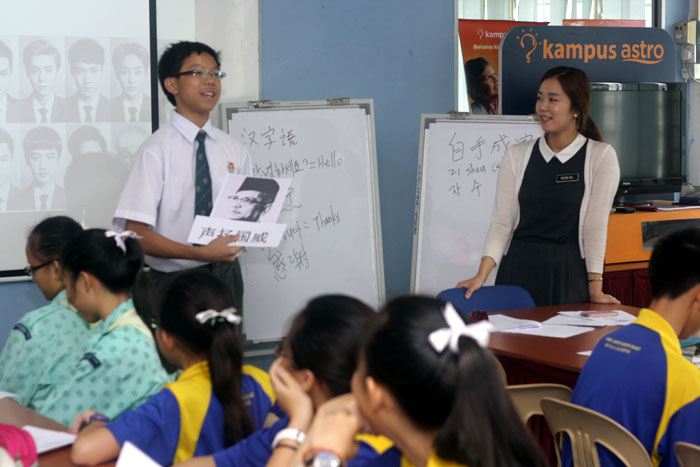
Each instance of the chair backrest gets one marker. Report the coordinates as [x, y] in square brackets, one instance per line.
[527, 397]
[687, 454]
[489, 298]
[586, 428]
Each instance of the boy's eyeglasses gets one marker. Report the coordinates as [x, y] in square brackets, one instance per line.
[202, 74]
[29, 270]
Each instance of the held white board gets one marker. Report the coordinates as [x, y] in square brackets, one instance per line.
[456, 189]
[332, 243]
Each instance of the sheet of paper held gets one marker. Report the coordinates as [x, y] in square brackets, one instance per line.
[574, 318]
[48, 440]
[4, 394]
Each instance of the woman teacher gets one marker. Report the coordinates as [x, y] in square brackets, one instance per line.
[549, 224]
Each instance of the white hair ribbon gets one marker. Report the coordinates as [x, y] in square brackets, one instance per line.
[443, 337]
[120, 236]
[229, 314]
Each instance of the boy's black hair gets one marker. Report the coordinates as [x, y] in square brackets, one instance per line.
[674, 267]
[174, 56]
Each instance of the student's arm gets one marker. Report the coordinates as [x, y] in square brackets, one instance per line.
[157, 245]
[334, 428]
[206, 461]
[295, 403]
[95, 444]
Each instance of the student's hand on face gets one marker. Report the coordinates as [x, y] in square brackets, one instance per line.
[219, 251]
[291, 396]
[335, 425]
[82, 420]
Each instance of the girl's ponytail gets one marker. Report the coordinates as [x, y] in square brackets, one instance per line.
[197, 309]
[482, 408]
[225, 363]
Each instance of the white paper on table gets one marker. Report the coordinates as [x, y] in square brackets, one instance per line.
[253, 234]
[4, 394]
[621, 319]
[585, 353]
[509, 324]
[131, 455]
[573, 321]
[553, 330]
[48, 440]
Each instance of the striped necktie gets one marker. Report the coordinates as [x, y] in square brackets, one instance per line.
[202, 180]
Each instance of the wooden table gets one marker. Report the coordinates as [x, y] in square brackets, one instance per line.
[537, 359]
[12, 413]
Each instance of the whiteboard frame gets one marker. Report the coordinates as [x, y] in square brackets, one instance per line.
[425, 121]
[226, 109]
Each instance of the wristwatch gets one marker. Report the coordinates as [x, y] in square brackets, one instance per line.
[323, 459]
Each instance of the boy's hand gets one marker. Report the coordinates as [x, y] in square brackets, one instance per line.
[219, 251]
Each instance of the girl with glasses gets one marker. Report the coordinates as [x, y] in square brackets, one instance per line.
[54, 329]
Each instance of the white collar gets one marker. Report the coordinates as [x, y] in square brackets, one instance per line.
[188, 129]
[565, 154]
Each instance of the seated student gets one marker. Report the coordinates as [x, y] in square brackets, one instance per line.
[637, 374]
[120, 367]
[424, 381]
[316, 363]
[54, 329]
[213, 404]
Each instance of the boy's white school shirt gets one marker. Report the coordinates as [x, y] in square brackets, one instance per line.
[160, 189]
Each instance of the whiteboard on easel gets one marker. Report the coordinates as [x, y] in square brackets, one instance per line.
[457, 174]
[332, 243]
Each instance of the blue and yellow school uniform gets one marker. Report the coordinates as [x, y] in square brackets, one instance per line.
[638, 377]
[53, 330]
[256, 449]
[393, 458]
[185, 419]
[119, 369]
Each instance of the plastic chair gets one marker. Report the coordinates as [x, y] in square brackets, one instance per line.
[687, 454]
[527, 398]
[489, 298]
[586, 428]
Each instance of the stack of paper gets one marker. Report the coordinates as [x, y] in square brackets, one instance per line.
[505, 323]
[574, 318]
[509, 324]
[48, 440]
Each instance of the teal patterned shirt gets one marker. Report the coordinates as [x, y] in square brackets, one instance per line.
[118, 370]
[39, 336]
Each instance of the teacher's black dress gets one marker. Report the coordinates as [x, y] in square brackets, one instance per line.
[544, 256]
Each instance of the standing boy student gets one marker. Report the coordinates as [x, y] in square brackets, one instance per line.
[179, 170]
[637, 374]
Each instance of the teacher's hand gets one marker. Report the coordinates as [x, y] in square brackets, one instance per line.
[601, 297]
[472, 285]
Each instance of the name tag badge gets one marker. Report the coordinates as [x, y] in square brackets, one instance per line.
[92, 358]
[567, 178]
[23, 329]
